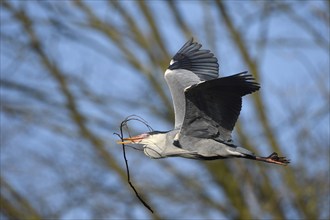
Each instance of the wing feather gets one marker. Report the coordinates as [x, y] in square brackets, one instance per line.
[201, 62]
[213, 107]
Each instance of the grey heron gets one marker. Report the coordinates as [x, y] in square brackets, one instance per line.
[206, 109]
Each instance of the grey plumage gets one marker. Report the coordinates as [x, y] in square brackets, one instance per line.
[206, 109]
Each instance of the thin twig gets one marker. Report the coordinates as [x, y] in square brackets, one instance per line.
[124, 123]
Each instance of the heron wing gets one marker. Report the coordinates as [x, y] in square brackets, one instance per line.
[189, 66]
[201, 62]
[213, 107]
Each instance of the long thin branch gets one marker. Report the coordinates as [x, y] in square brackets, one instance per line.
[22, 209]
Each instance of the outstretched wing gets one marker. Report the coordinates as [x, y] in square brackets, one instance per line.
[189, 66]
[213, 107]
[201, 62]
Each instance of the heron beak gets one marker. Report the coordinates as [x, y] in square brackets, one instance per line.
[133, 140]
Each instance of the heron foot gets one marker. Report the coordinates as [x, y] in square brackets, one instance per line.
[274, 158]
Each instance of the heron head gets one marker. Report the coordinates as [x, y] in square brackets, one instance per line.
[153, 142]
